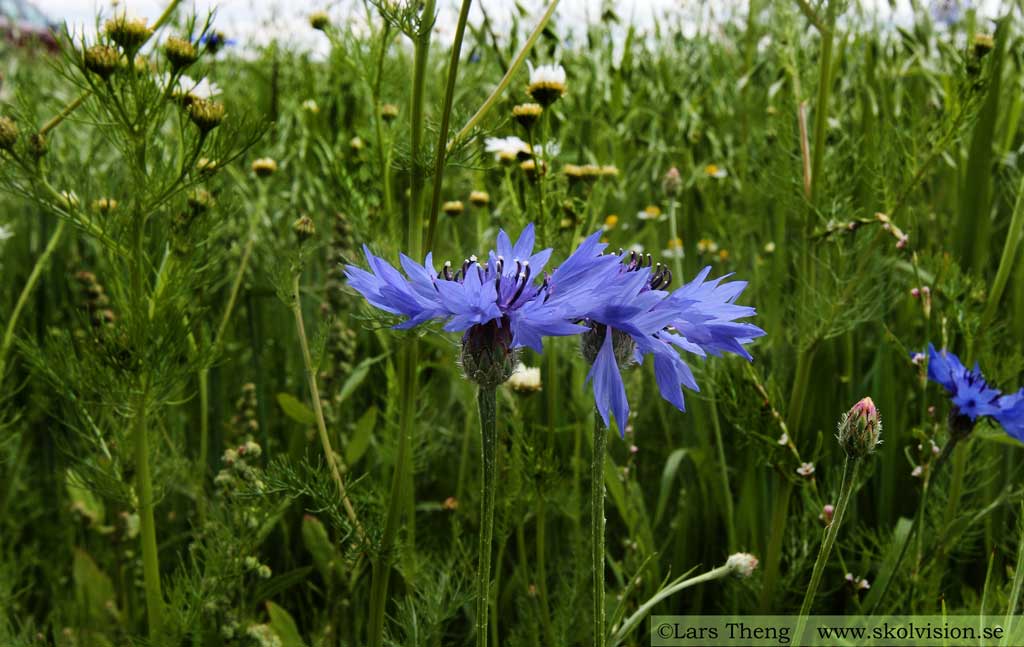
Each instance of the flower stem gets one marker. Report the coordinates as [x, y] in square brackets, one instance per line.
[672, 589]
[723, 472]
[1013, 238]
[396, 501]
[597, 527]
[488, 455]
[825, 31]
[673, 232]
[321, 425]
[30, 284]
[147, 524]
[446, 114]
[849, 485]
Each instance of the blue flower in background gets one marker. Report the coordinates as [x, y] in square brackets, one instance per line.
[972, 396]
[947, 12]
[638, 317]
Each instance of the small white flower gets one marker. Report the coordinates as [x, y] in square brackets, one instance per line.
[636, 247]
[917, 472]
[805, 469]
[783, 439]
[917, 358]
[551, 74]
[769, 248]
[673, 252]
[5, 233]
[186, 85]
[506, 149]
[742, 564]
[525, 379]
[548, 150]
[310, 105]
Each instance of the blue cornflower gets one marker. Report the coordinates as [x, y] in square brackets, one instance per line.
[971, 395]
[639, 317]
[499, 304]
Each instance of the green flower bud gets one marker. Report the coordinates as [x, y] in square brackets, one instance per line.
[101, 60]
[180, 52]
[487, 356]
[129, 33]
[319, 21]
[8, 133]
[860, 429]
[206, 114]
[304, 228]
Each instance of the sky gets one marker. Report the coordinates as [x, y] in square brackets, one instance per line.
[258, 21]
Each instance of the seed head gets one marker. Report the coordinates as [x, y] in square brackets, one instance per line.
[180, 52]
[37, 145]
[101, 60]
[983, 44]
[388, 112]
[304, 228]
[453, 207]
[206, 114]
[527, 114]
[860, 429]
[264, 167]
[129, 33]
[319, 20]
[8, 133]
[479, 198]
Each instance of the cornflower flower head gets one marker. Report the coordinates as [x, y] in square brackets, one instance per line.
[637, 316]
[498, 303]
[971, 395]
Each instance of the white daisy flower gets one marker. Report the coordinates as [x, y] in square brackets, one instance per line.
[507, 149]
[525, 379]
[186, 85]
[547, 83]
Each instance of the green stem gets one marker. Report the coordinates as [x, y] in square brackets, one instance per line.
[446, 115]
[1018, 583]
[321, 425]
[668, 591]
[824, 90]
[846, 490]
[488, 460]
[30, 284]
[505, 80]
[542, 571]
[382, 564]
[421, 52]
[597, 527]
[673, 232]
[1006, 262]
[147, 524]
[723, 469]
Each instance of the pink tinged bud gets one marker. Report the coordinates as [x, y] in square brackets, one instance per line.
[633, 449]
[902, 242]
[805, 469]
[926, 290]
[915, 292]
[742, 564]
[672, 182]
[827, 512]
[860, 429]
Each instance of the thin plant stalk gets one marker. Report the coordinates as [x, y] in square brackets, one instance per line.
[505, 80]
[677, 586]
[318, 410]
[673, 232]
[147, 523]
[446, 114]
[826, 32]
[30, 284]
[1006, 262]
[723, 473]
[849, 484]
[488, 460]
[1018, 584]
[597, 527]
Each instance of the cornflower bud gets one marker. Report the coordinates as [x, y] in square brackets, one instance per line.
[487, 357]
[672, 182]
[742, 564]
[860, 429]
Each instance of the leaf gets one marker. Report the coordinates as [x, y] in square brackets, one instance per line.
[893, 555]
[318, 543]
[94, 591]
[357, 376]
[296, 409]
[284, 626]
[668, 475]
[361, 438]
[83, 501]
